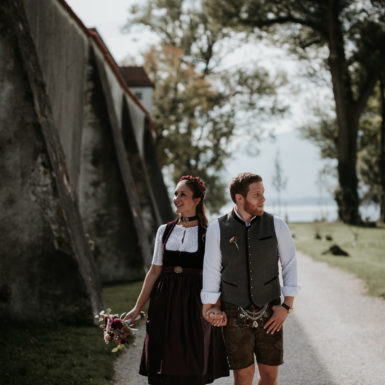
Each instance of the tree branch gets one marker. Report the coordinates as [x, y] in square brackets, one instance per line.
[280, 20]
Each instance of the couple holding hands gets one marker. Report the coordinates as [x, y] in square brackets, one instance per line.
[215, 293]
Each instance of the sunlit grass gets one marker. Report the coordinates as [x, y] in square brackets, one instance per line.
[61, 355]
[366, 247]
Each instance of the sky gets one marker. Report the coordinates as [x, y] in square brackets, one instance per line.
[300, 159]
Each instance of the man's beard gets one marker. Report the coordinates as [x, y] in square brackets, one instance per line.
[252, 210]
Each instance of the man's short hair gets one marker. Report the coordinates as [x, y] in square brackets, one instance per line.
[240, 184]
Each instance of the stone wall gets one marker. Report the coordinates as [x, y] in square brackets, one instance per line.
[47, 271]
[119, 205]
[81, 192]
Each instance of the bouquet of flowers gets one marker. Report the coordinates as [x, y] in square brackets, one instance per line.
[115, 329]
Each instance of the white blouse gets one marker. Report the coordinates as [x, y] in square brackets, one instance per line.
[180, 239]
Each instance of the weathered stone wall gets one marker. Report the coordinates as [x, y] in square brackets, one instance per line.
[62, 48]
[46, 269]
[154, 174]
[119, 206]
[102, 197]
[81, 192]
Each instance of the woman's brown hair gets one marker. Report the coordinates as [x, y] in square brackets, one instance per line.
[198, 188]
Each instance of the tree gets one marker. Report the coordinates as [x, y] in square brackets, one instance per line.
[352, 33]
[279, 180]
[370, 147]
[193, 127]
[371, 163]
[198, 107]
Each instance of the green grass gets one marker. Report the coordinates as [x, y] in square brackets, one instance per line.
[62, 354]
[366, 247]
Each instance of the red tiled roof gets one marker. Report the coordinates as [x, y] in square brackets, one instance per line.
[135, 76]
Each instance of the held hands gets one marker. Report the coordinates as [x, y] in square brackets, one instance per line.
[274, 324]
[215, 316]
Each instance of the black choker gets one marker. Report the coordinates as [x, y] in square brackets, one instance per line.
[188, 219]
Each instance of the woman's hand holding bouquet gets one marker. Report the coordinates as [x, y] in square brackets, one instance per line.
[116, 329]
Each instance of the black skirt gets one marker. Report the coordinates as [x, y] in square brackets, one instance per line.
[180, 346]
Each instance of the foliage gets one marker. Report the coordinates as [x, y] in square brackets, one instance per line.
[323, 132]
[193, 126]
[364, 245]
[199, 107]
[369, 146]
[348, 35]
[371, 150]
[279, 181]
[61, 354]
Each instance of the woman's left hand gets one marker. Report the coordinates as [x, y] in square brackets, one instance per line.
[216, 317]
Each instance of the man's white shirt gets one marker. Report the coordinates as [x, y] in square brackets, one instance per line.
[212, 264]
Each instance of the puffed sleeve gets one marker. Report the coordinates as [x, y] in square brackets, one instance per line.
[157, 258]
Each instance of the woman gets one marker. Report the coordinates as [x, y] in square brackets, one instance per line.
[180, 346]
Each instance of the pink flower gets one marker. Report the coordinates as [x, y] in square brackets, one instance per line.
[109, 324]
[107, 338]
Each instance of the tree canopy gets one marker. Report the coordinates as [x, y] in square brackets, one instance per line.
[352, 33]
[200, 106]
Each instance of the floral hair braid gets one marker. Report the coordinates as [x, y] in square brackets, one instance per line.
[196, 180]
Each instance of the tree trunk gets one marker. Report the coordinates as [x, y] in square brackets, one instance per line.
[346, 195]
[382, 150]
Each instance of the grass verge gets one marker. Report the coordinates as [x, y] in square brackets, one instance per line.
[365, 246]
[62, 354]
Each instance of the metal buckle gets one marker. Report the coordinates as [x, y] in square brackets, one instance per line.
[178, 269]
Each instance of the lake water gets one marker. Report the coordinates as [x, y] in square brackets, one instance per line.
[310, 213]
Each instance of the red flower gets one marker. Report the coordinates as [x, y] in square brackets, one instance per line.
[117, 323]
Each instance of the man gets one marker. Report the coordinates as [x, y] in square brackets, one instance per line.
[241, 270]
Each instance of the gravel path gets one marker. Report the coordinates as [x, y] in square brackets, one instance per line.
[335, 335]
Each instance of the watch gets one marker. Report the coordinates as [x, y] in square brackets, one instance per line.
[287, 307]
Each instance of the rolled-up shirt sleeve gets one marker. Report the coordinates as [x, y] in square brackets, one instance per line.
[287, 256]
[212, 265]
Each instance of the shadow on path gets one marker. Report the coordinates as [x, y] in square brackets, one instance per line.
[303, 366]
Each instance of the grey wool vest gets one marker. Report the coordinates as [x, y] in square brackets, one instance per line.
[249, 260]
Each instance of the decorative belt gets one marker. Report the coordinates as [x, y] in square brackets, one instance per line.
[252, 316]
[180, 269]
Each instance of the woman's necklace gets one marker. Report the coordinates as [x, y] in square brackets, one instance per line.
[188, 219]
